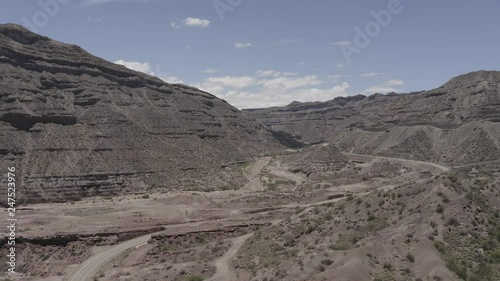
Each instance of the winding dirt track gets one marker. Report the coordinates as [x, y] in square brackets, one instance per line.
[224, 271]
[283, 172]
[252, 175]
[90, 267]
[415, 162]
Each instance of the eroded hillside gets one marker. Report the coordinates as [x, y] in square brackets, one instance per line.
[457, 123]
[75, 125]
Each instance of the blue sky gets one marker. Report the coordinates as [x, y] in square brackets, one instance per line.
[259, 53]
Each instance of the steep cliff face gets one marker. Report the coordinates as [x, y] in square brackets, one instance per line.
[457, 123]
[75, 125]
[314, 122]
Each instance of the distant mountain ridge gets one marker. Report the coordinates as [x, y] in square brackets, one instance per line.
[464, 109]
[75, 125]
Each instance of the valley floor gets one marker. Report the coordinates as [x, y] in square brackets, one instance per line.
[211, 236]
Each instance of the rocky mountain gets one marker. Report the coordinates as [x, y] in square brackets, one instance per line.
[320, 159]
[76, 125]
[457, 123]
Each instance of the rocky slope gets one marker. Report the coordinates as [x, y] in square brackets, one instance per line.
[321, 159]
[76, 125]
[457, 123]
[424, 230]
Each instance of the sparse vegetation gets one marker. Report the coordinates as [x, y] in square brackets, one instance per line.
[452, 222]
[440, 209]
[411, 257]
[200, 239]
[195, 278]
[388, 266]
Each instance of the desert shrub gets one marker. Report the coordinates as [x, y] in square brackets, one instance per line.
[340, 246]
[452, 222]
[341, 207]
[495, 256]
[453, 178]
[440, 246]
[327, 262]
[460, 271]
[440, 209]
[200, 239]
[410, 257]
[311, 228]
[45, 257]
[482, 273]
[195, 278]
[145, 196]
[388, 266]
[475, 196]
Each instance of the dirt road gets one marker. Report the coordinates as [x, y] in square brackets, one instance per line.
[90, 267]
[281, 171]
[252, 175]
[415, 162]
[224, 271]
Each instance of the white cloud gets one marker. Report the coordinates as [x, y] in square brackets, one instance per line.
[266, 98]
[264, 73]
[342, 43]
[371, 74]
[211, 71]
[273, 73]
[172, 80]
[286, 41]
[94, 19]
[395, 82]
[287, 83]
[175, 25]
[387, 87]
[237, 82]
[137, 66]
[240, 45]
[335, 77]
[218, 85]
[197, 22]
[340, 65]
[270, 88]
[145, 67]
[190, 22]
